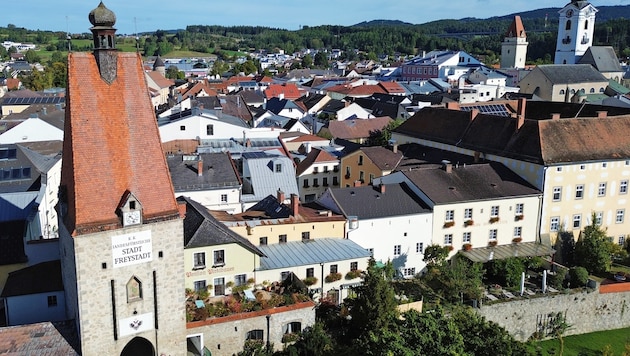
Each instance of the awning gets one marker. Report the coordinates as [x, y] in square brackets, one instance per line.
[523, 249]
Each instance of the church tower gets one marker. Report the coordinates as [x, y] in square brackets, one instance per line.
[514, 46]
[121, 235]
[575, 31]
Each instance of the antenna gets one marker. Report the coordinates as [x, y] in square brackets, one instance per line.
[68, 37]
[135, 25]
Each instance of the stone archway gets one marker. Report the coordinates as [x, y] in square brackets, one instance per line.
[138, 346]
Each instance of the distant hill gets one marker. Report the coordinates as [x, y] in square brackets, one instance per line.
[376, 23]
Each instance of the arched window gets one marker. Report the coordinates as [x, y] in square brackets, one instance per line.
[586, 25]
[592, 90]
[568, 25]
[601, 90]
[561, 91]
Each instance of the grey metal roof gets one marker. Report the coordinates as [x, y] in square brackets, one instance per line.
[218, 172]
[470, 183]
[297, 253]
[603, 58]
[42, 162]
[258, 169]
[16, 206]
[39, 278]
[501, 252]
[368, 202]
[571, 73]
[202, 229]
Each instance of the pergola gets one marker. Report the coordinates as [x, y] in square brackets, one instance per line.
[523, 249]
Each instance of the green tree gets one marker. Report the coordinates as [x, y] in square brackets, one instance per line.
[321, 60]
[430, 334]
[172, 72]
[382, 137]
[307, 61]
[592, 249]
[485, 338]
[435, 255]
[374, 313]
[578, 276]
[31, 56]
[507, 271]
[314, 341]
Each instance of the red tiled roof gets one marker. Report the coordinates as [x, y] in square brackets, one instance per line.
[392, 87]
[358, 128]
[316, 155]
[309, 138]
[13, 83]
[160, 80]
[516, 28]
[358, 90]
[290, 91]
[112, 145]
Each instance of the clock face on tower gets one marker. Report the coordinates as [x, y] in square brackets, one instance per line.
[131, 218]
[569, 13]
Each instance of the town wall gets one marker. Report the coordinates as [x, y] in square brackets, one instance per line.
[585, 312]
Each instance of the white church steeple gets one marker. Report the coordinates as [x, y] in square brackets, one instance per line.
[575, 31]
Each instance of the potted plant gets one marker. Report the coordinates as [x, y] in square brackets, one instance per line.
[449, 224]
[334, 276]
[309, 281]
[492, 243]
[519, 217]
[353, 274]
[450, 248]
[494, 219]
[517, 240]
[467, 247]
[469, 222]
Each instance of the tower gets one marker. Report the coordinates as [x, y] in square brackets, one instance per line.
[575, 31]
[159, 65]
[121, 235]
[514, 46]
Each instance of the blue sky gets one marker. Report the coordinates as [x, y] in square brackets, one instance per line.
[150, 15]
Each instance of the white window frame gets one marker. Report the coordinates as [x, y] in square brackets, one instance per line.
[199, 263]
[419, 247]
[217, 261]
[518, 209]
[557, 194]
[619, 216]
[577, 221]
[623, 187]
[492, 235]
[494, 211]
[601, 189]
[397, 250]
[579, 191]
[518, 231]
[599, 217]
[466, 237]
[449, 215]
[554, 223]
[448, 239]
[468, 214]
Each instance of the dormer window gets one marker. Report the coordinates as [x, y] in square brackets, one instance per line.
[278, 168]
[130, 210]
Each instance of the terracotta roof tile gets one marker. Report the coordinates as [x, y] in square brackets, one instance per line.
[357, 128]
[112, 145]
[57, 338]
[290, 91]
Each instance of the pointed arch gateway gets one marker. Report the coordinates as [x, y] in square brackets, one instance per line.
[138, 346]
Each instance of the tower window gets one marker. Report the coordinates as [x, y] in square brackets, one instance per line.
[567, 27]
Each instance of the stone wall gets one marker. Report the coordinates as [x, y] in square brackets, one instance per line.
[585, 312]
[226, 335]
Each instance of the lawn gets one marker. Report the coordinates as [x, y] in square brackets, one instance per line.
[589, 344]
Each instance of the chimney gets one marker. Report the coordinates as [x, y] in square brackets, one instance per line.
[307, 147]
[295, 204]
[452, 105]
[281, 196]
[473, 114]
[181, 207]
[357, 183]
[477, 155]
[199, 167]
[555, 116]
[602, 114]
[381, 188]
[447, 166]
[521, 107]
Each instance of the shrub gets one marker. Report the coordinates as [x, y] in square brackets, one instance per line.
[578, 276]
[557, 280]
[290, 337]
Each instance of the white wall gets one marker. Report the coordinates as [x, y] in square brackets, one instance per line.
[384, 233]
[32, 130]
[34, 308]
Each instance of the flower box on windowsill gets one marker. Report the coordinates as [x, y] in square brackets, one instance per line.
[450, 248]
[494, 219]
[469, 223]
[448, 224]
[467, 247]
[332, 277]
[518, 217]
[492, 243]
[517, 240]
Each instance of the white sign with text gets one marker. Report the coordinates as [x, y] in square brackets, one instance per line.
[131, 249]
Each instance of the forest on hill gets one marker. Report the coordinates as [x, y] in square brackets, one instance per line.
[480, 37]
